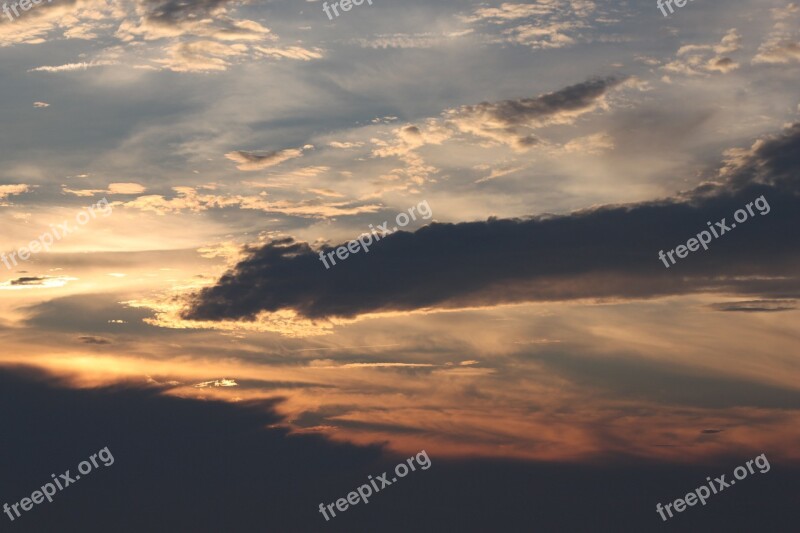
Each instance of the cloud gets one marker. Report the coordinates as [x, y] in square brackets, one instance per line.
[499, 173]
[777, 52]
[97, 315]
[217, 383]
[695, 60]
[603, 252]
[290, 52]
[756, 306]
[783, 43]
[509, 11]
[512, 121]
[41, 104]
[407, 139]
[201, 56]
[159, 19]
[591, 144]
[125, 188]
[248, 458]
[176, 14]
[129, 419]
[249, 161]
[113, 188]
[71, 67]
[189, 199]
[12, 190]
[345, 145]
[82, 192]
[201, 36]
[28, 281]
[36, 282]
[327, 193]
[205, 36]
[509, 122]
[409, 40]
[539, 25]
[88, 339]
[48, 18]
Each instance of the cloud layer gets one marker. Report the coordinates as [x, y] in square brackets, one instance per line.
[598, 253]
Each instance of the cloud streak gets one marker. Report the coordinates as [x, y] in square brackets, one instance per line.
[249, 161]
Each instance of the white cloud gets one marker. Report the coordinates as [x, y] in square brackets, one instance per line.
[702, 59]
[125, 188]
[217, 383]
[12, 190]
[542, 24]
[71, 67]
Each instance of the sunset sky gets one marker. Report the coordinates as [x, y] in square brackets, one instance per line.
[521, 328]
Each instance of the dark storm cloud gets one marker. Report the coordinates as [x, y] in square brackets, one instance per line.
[179, 465]
[605, 252]
[776, 160]
[208, 466]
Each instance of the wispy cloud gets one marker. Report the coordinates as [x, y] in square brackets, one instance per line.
[250, 161]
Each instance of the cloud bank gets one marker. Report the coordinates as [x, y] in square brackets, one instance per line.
[604, 252]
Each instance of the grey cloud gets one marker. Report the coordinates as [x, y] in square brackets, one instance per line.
[757, 306]
[604, 252]
[159, 441]
[94, 340]
[175, 12]
[88, 313]
[509, 120]
[543, 108]
[29, 280]
[774, 160]
[249, 161]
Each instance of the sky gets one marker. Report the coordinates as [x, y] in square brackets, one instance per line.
[261, 252]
